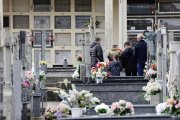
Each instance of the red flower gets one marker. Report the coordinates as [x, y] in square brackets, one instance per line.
[99, 65]
[154, 67]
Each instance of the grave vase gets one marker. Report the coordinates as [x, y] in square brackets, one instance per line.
[76, 112]
[99, 80]
[154, 99]
[42, 84]
[24, 94]
[152, 80]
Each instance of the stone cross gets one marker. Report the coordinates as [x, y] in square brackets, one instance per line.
[159, 55]
[88, 39]
[37, 95]
[43, 46]
[36, 66]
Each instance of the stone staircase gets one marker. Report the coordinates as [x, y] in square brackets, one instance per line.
[111, 90]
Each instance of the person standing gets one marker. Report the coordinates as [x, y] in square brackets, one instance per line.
[114, 52]
[96, 52]
[128, 60]
[140, 52]
[115, 66]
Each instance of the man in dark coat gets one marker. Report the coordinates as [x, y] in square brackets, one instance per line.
[140, 54]
[128, 60]
[96, 52]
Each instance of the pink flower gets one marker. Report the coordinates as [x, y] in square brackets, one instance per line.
[26, 84]
[129, 105]
[114, 106]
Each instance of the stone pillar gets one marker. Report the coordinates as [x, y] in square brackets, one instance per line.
[108, 25]
[115, 22]
[159, 55]
[122, 22]
[164, 61]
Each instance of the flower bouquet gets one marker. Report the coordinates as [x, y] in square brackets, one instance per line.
[152, 88]
[171, 107]
[99, 72]
[42, 76]
[152, 72]
[102, 109]
[26, 91]
[76, 73]
[79, 101]
[122, 108]
[30, 75]
[52, 113]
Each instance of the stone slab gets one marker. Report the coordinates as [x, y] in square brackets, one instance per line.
[133, 117]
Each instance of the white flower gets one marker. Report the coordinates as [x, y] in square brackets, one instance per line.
[76, 73]
[102, 106]
[122, 102]
[95, 100]
[161, 107]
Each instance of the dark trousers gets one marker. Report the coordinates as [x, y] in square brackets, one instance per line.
[140, 68]
[131, 73]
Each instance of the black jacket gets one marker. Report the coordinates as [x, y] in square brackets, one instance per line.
[96, 53]
[128, 60]
[141, 52]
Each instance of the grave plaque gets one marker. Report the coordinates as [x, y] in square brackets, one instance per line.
[63, 22]
[62, 5]
[62, 39]
[139, 24]
[41, 22]
[82, 21]
[61, 55]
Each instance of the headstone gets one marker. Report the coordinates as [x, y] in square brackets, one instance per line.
[36, 97]
[164, 61]
[17, 90]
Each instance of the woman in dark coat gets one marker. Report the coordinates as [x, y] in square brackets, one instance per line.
[128, 60]
[96, 52]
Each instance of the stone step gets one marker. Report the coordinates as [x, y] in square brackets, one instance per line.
[139, 110]
[133, 117]
[114, 90]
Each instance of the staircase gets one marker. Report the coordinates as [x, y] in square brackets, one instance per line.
[111, 90]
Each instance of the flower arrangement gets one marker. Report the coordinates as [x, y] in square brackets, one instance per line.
[52, 113]
[76, 73]
[102, 109]
[26, 84]
[152, 72]
[122, 108]
[99, 72]
[82, 99]
[152, 88]
[43, 62]
[42, 76]
[30, 75]
[171, 106]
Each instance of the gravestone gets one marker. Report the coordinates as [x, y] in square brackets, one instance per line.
[17, 90]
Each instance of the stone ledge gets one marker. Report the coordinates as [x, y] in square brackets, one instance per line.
[133, 117]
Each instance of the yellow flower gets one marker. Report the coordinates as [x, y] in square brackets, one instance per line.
[43, 62]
